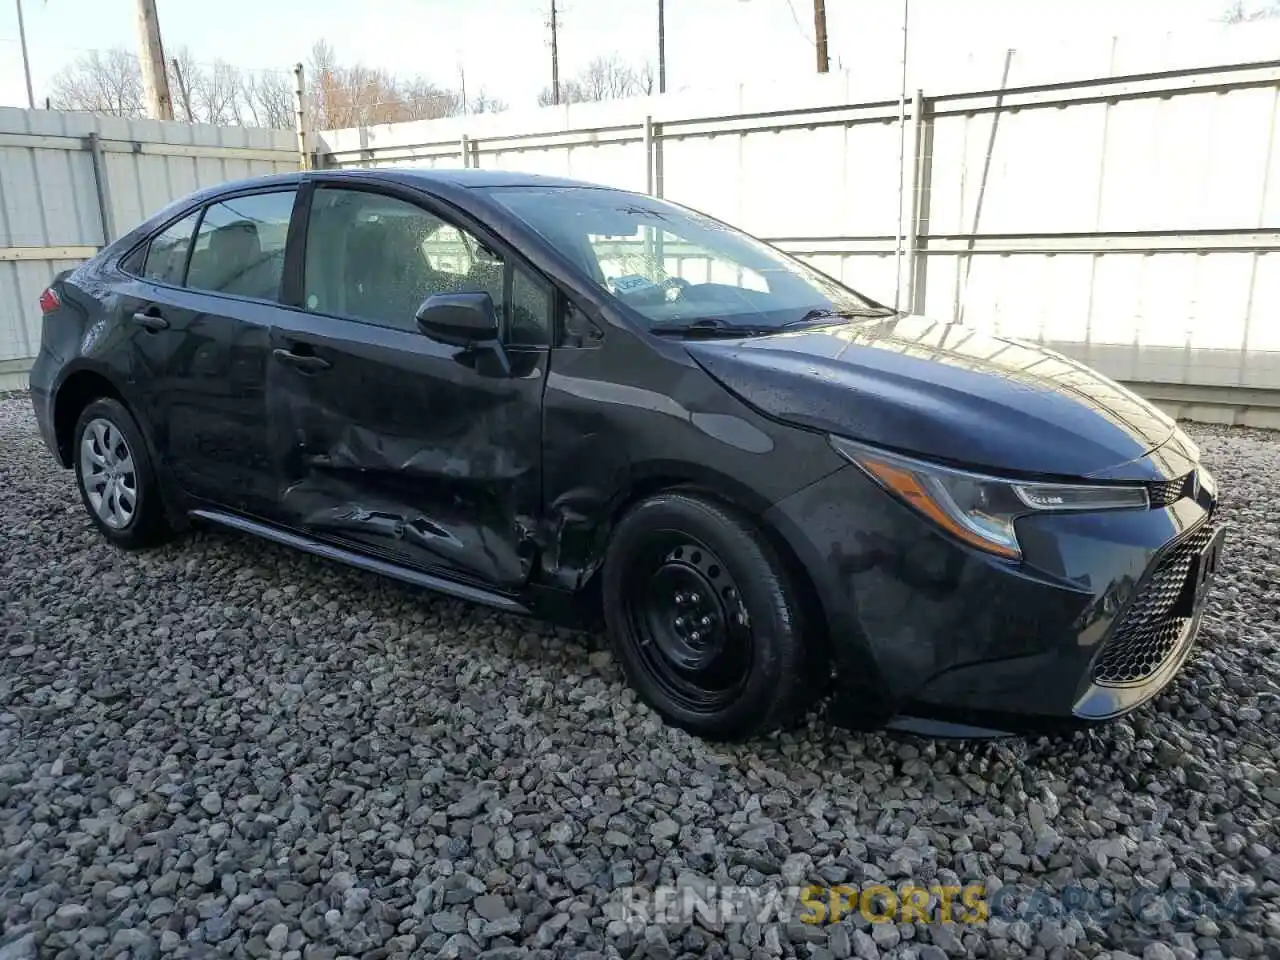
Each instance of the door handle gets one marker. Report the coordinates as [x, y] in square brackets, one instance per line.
[302, 362]
[151, 319]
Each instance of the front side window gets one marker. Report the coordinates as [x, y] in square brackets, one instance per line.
[674, 267]
[376, 258]
[167, 254]
[241, 246]
[531, 310]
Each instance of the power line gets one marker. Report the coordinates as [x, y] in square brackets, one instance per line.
[795, 18]
[101, 51]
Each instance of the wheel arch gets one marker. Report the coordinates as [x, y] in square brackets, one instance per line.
[76, 391]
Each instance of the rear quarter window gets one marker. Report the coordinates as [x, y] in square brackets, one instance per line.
[164, 259]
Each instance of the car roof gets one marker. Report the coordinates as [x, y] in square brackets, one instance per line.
[433, 179]
[472, 179]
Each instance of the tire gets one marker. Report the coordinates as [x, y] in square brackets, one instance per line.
[735, 667]
[115, 476]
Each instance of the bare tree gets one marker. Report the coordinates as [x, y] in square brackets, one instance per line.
[646, 79]
[424, 100]
[268, 99]
[1238, 11]
[571, 91]
[340, 95]
[604, 78]
[216, 92]
[484, 103]
[182, 71]
[608, 78]
[359, 95]
[108, 83]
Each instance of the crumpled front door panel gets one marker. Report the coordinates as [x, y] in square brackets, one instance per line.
[403, 446]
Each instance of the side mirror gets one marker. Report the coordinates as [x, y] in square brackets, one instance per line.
[459, 319]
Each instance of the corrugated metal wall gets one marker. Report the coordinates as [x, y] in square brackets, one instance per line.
[1131, 221]
[51, 211]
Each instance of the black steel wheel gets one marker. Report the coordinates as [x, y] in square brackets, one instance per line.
[702, 617]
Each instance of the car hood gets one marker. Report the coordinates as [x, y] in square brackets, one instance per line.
[944, 391]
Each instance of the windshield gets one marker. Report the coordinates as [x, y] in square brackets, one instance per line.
[675, 267]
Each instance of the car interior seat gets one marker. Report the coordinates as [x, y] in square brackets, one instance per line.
[225, 265]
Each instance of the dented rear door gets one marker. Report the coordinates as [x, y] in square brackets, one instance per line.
[390, 442]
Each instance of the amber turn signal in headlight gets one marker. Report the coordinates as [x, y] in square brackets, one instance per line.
[979, 509]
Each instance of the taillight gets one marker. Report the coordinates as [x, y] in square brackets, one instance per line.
[49, 301]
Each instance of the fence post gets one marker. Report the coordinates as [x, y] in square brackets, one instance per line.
[300, 115]
[921, 196]
[464, 148]
[658, 185]
[98, 162]
[648, 155]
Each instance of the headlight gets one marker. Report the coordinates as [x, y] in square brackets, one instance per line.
[978, 509]
[1207, 483]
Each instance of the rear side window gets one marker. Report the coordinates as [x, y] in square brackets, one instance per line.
[241, 244]
[167, 254]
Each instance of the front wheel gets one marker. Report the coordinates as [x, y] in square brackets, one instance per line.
[702, 617]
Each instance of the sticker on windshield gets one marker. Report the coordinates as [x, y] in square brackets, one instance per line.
[629, 283]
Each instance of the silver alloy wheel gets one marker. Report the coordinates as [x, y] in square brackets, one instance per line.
[107, 472]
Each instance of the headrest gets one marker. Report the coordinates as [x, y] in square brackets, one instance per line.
[236, 242]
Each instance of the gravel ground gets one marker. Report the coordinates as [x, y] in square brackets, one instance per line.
[224, 747]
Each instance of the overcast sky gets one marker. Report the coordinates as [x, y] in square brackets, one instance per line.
[503, 43]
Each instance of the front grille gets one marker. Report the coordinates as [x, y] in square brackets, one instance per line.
[1150, 627]
[1139, 653]
[1165, 493]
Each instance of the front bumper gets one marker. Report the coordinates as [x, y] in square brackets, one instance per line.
[930, 636]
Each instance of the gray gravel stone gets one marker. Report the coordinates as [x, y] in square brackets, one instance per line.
[258, 752]
[278, 937]
[864, 946]
[23, 948]
[449, 923]
[885, 935]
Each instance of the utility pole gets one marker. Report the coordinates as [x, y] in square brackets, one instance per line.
[555, 59]
[154, 78]
[183, 92]
[300, 115]
[462, 76]
[26, 60]
[820, 35]
[662, 47]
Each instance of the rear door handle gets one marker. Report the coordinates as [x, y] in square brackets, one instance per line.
[302, 362]
[151, 318]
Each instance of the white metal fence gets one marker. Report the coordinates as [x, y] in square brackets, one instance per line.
[1131, 221]
[70, 182]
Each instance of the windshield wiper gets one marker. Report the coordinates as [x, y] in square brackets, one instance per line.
[710, 327]
[821, 313]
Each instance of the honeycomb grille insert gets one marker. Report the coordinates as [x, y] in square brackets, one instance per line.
[1148, 632]
[1165, 493]
[1140, 654]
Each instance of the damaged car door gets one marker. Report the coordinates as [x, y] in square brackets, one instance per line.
[395, 437]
